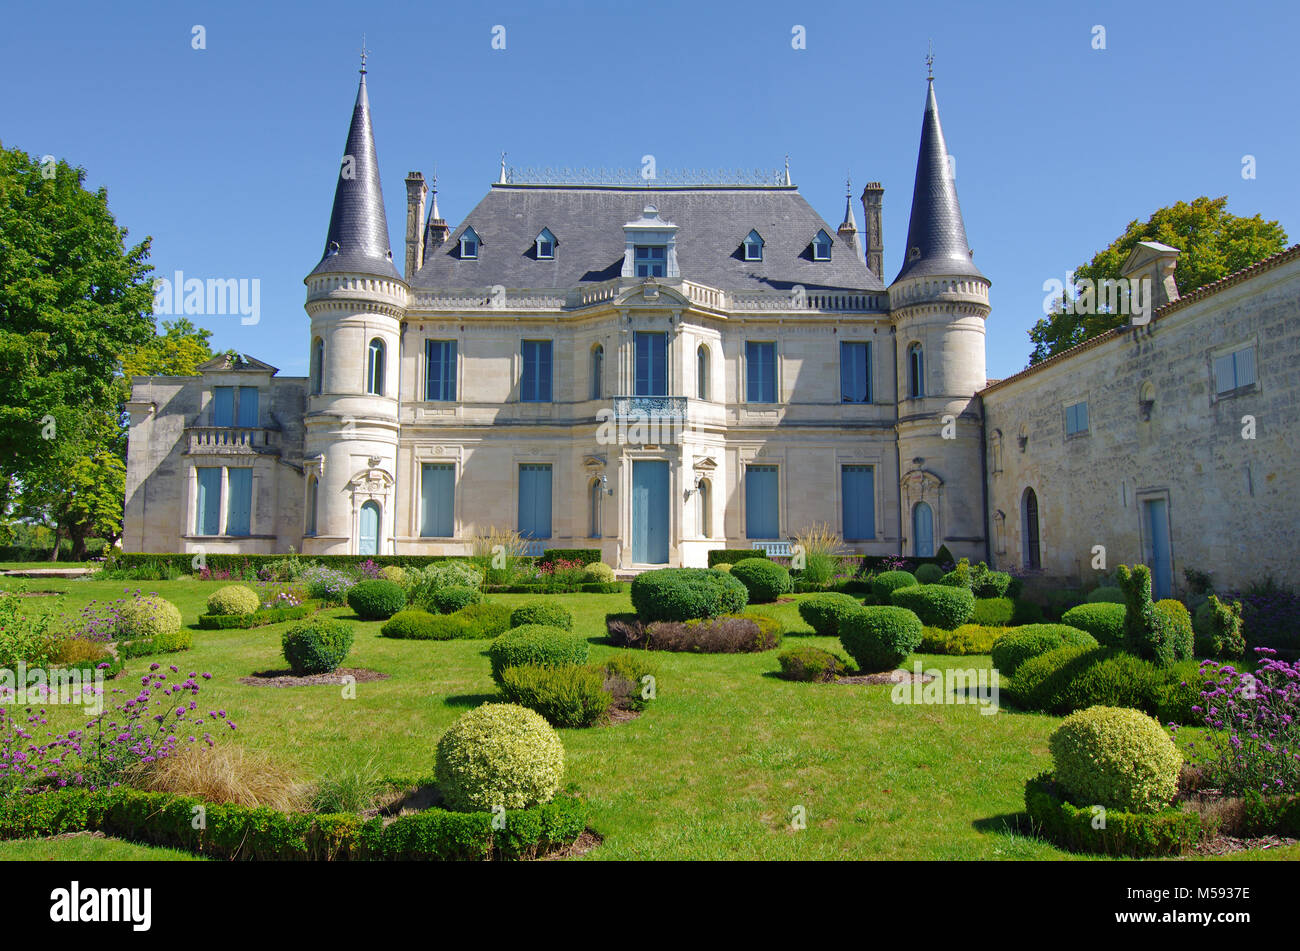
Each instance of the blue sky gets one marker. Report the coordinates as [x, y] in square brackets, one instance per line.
[227, 155]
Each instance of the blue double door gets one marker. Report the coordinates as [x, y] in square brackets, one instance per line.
[650, 521]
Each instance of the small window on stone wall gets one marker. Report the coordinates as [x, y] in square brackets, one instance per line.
[1146, 401]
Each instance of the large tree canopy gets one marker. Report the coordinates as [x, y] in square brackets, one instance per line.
[177, 351]
[1213, 244]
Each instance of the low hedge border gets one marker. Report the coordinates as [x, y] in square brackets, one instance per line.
[181, 640]
[260, 618]
[584, 556]
[729, 556]
[184, 563]
[243, 833]
[586, 587]
[1133, 834]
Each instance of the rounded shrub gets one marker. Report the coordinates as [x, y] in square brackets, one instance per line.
[149, 616]
[499, 754]
[1032, 640]
[1116, 758]
[234, 599]
[1180, 620]
[548, 613]
[599, 573]
[938, 605]
[536, 644]
[417, 624]
[967, 639]
[317, 646]
[454, 598]
[992, 612]
[810, 664]
[880, 638]
[485, 619]
[887, 581]
[986, 583]
[823, 612]
[764, 579]
[394, 573]
[1104, 620]
[1106, 595]
[376, 599]
[684, 594]
[928, 574]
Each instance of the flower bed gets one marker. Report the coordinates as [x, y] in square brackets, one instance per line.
[259, 618]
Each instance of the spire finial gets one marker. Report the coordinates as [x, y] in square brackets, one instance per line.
[364, 53]
[848, 184]
[502, 179]
[929, 62]
[787, 168]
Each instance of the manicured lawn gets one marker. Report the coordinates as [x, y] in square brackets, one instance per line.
[715, 769]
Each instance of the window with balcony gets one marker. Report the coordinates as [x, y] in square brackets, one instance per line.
[440, 370]
[238, 487]
[855, 372]
[651, 364]
[234, 406]
[760, 372]
[535, 383]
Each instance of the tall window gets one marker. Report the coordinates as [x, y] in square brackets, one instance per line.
[760, 372]
[1076, 418]
[1233, 371]
[440, 370]
[858, 495]
[651, 260]
[535, 385]
[704, 503]
[915, 371]
[317, 365]
[246, 406]
[1029, 521]
[208, 509]
[535, 501]
[239, 501]
[702, 372]
[437, 500]
[651, 364]
[313, 491]
[855, 372]
[223, 406]
[762, 505]
[594, 498]
[597, 371]
[375, 368]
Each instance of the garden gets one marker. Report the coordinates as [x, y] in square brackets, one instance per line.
[505, 707]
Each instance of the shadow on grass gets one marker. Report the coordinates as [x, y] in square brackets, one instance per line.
[469, 700]
[1017, 822]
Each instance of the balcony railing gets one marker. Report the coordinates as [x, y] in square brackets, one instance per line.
[650, 407]
[233, 440]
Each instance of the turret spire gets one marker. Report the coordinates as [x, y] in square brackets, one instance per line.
[936, 235]
[358, 233]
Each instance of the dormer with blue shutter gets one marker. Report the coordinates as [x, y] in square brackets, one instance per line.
[469, 245]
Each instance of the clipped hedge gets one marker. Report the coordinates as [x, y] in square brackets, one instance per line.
[993, 612]
[880, 638]
[729, 556]
[570, 696]
[939, 605]
[1137, 835]
[1104, 620]
[583, 556]
[234, 832]
[967, 639]
[764, 579]
[1075, 678]
[810, 665]
[453, 598]
[885, 583]
[186, 564]
[536, 644]
[486, 619]
[417, 624]
[548, 613]
[376, 599]
[1023, 643]
[317, 646]
[169, 643]
[824, 612]
[685, 594]
[259, 618]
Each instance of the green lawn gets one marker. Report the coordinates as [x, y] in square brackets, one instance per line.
[715, 769]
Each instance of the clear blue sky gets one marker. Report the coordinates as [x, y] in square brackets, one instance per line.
[227, 156]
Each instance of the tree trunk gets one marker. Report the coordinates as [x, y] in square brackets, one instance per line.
[54, 552]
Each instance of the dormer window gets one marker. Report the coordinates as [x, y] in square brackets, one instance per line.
[651, 260]
[545, 245]
[469, 244]
[821, 246]
[754, 247]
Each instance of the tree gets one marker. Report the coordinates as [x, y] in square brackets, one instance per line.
[177, 351]
[1213, 243]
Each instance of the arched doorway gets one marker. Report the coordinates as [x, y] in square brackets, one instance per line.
[368, 536]
[1029, 530]
[923, 530]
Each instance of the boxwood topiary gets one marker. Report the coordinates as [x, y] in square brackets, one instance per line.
[1075, 678]
[1022, 643]
[1148, 632]
[1104, 620]
[764, 579]
[600, 573]
[885, 582]
[454, 598]
[992, 612]
[987, 583]
[417, 624]
[810, 664]
[317, 646]
[684, 594]
[967, 639]
[928, 574]
[1180, 620]
[149, 616]
[880, 638]
[569, 696]
[1117, 758]
[1218, 629]
[939, 605]
[376, 599]
[1106, 594]
[823, 612]
[234, 599]
[536, 644]
[549, 613]
[499, 755]
[485, 619]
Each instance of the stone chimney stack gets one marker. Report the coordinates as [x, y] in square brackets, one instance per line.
[1153, 261]
[873, 196]
[416, 191]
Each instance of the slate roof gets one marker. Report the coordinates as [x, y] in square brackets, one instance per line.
[588, 220]
[935, 225]
[358, 232]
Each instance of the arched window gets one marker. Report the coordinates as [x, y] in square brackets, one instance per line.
[313, 490]
[375, 368]
[702, 372]
[597, 372]
[594, 497]
[1029, 529]
[915, 371]
[317, 366]
[923, 530]
[704, 500]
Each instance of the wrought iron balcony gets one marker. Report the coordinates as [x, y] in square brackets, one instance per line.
[650, 407]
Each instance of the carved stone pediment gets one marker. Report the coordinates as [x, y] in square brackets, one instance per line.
[920, 485]
[593, 461]
[372, 481]
[705, 464]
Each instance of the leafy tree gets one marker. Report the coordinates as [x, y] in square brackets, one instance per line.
[177, 351]
[1213, 243]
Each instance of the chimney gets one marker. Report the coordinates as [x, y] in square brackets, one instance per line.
[873, 196]
[1153, 261]
[415, 193]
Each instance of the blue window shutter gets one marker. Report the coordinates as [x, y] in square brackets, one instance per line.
[544, 394]
[651, 364]
[535, 501]
[239, 502]
[535, 386]
[247, 406]
[208, 509]
[223, 406]
[762, 512]
[440, 370]
[760, 360]
[858, 494]
[437, 500]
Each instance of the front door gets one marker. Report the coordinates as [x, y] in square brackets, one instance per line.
[923, 530]
[650, 513]
[368, 540]
[1155, 513]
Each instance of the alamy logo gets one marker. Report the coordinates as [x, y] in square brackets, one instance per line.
[74, 904]
[1129, 297]
[25, 685]
[213, 297]
[978, 686]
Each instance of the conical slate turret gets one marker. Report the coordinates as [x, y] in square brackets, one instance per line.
[358, 234]
[936, 235]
